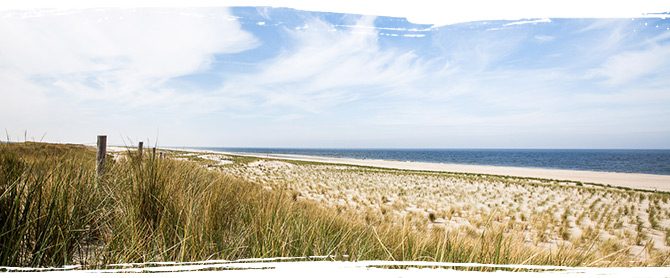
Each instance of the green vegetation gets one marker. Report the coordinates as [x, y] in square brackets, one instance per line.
[54, 211]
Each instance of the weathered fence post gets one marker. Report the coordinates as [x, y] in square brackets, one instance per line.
[153, 153]
[139, 150]
[100, 157]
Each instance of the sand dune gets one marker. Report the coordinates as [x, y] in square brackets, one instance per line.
[630, 180]
[537, 211]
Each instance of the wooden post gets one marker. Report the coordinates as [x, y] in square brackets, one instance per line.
[139, 150]
[100, 157]
[153, 153]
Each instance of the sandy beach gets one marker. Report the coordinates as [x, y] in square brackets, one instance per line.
[628, 180]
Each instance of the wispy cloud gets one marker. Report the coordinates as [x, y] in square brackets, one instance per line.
[544, 38]
[315, 79]
[326, 67]
[628, 66]
[522, 22]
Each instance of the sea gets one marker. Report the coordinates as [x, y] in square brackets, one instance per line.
[603, 160]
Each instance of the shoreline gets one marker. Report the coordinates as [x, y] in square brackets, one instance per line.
[649, 182]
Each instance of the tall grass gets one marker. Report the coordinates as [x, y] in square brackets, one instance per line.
[53, 211]
[47, 201]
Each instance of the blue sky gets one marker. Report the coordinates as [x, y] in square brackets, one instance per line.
[278, 77]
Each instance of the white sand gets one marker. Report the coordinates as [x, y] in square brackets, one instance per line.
[636, 181]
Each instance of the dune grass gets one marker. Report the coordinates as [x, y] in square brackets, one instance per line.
[47, 201]
[54, 211]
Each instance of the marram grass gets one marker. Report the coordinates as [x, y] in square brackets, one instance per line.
[54, 211]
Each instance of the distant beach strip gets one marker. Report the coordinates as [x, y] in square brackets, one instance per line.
[640, 181]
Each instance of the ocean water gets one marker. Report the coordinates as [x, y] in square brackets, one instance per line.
[624, 161]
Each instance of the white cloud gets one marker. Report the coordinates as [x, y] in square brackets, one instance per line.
[547, 102]
[20, 97]
[544, 38]
[60, 69]
[117, 51]
[326, 80]
[327, 67]
[522, 22]
[633, 65]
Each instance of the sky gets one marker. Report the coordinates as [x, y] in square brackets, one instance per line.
[329, 77]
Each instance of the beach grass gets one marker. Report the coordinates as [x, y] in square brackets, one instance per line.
[54, 211]
[543, 213]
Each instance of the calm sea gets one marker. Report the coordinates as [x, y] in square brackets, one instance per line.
[625, 161]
